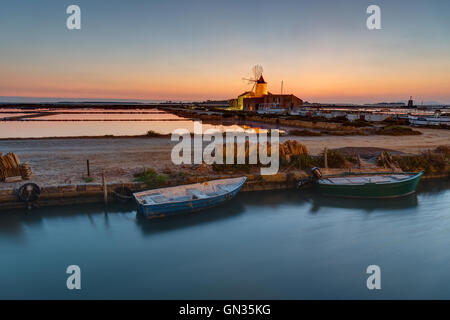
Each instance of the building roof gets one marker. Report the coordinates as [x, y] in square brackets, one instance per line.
[261, 80]
[246, 93]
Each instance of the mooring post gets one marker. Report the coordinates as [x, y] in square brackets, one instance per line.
[88, 170]
[105, 190]
[325, 158]
[382, 159]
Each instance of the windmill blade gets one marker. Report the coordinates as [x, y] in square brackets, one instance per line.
[249, 81]
[257, 71]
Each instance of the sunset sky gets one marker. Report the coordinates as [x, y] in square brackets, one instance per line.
[195, 50]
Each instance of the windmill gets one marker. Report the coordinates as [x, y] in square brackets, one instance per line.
[257, 72]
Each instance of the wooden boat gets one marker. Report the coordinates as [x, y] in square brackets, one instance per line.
[370, 185]
[187, 198]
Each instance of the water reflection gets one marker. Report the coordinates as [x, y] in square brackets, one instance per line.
[433, 187]
[154, 226]
[13, 223]
[301, 197]
[233, 251]
[367, 205]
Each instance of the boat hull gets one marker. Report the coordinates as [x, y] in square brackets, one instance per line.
[171, 209]
[372, 190]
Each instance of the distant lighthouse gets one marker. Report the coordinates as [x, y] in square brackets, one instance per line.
[261, 88]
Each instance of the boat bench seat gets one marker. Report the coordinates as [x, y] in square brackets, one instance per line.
[356, 180]
[221, 189]
[399, 177]
[379, 179]
[155, 198]
[196, 194]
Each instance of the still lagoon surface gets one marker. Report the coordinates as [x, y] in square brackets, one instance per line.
[264, 245]
[95, 122]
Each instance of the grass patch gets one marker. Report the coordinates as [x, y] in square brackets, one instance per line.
[341, 133]
[307, 133]
[88, 179]
[445, 150]
[431, 161]
[153, 134]
[397, 122]
[150, 178]
[304, 162]
[335, 159]
[397, 131]
[235, 168]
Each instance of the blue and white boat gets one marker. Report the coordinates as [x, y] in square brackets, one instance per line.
[163, 202]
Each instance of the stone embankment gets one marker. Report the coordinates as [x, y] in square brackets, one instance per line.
[92, 193]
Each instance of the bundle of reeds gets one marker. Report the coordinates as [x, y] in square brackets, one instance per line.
[10, 167]
[386, 160]
[287, 150]
[291, 148]
[25, 171]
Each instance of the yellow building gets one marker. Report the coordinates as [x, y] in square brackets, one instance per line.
[260, 91]
[261, 88]
[238, 104]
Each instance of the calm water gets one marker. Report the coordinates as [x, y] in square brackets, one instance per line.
[280, 244]
[95, 122]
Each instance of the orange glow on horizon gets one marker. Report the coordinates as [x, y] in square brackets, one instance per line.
[311, 84]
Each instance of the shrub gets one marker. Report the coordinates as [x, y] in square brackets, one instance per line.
[399, 122]
[428, 161]
[153, 134]
[304, 133]
[88, 179]
[150, 178]
[336, 159]
[357, 123]
[397, 131]
[235, 168]
[445, 150]
[304, 161]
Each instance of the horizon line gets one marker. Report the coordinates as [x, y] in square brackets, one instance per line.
[143, 101]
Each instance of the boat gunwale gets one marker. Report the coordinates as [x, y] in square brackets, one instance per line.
[413, 176]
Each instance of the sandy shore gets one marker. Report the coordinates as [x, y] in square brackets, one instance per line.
[430, 139]
[63, 161]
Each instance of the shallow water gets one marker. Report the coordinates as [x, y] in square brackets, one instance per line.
[263, 245]
[92, 122]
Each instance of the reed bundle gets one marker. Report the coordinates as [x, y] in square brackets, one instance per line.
[10, 167]
[287, 150]
[291, 148]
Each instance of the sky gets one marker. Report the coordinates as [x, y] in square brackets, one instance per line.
[201, 49]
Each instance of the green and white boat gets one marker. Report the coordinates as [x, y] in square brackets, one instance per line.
[370, 185]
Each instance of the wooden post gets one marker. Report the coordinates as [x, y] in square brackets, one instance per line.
[88, 170]
[105, 189]
[359, 160]
[382, 159]
[325, 158]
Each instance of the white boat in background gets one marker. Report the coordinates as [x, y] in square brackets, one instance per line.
[437, 120]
